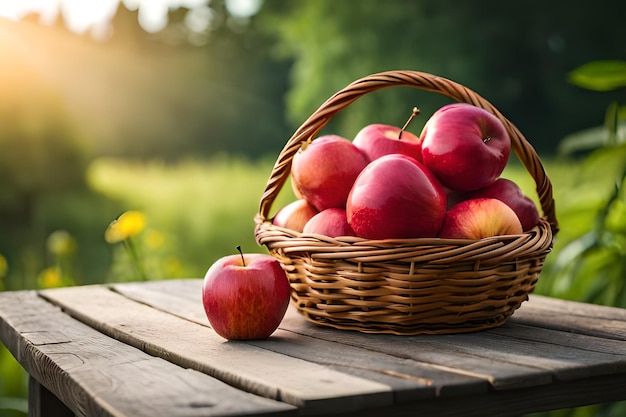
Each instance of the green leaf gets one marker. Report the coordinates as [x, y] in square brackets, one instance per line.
[600, 75]
[595, 137]
[607, 163]
[19, 405]
[616, 217]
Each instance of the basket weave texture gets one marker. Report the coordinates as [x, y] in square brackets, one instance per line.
[407, 286]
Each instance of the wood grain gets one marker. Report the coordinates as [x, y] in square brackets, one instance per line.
[95, 375]
[574, 317]
[260, 371]
[521, 353]
[550, 354]
[515, 403]
[410, 380]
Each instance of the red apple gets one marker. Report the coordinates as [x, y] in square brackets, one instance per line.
[294, 215]
[396, 197]
[465, 146]
[245, 296]
[332, 222]
[510, 193]
[324, 170]
[376, 140]
[480, 218]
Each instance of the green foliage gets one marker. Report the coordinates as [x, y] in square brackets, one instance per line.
[202, 209]
[617, 409]
[591, 266]
[13, 386]
[42, 149]
[333, 43]
[43, 157]
[83, 216]
[600, 75]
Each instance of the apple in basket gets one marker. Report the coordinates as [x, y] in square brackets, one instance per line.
[245, 296]
[396, 196]
[480, 218]
[332, 222]
[377, 140]
[294, 215]
[324, 170]
[510, 193]
[465, 146]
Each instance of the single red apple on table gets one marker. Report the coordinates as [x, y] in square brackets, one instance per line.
[294, 215]
[396, 197]
[245, 296]
[480, 218]
[324, 170]
[332, 222]
[465, 146]
[377, 139]
[510, 193]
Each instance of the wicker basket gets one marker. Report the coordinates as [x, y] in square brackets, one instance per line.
[407, 286]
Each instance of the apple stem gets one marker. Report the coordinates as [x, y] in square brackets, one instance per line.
[415, 112]
[305, 144]
[243, 261]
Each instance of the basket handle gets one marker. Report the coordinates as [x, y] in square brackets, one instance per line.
[421, 80]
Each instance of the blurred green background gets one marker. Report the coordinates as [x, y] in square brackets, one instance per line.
[177, 110]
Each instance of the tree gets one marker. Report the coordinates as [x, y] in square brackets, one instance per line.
[514, 54]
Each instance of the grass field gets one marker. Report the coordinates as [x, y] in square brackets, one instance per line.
[203, 209]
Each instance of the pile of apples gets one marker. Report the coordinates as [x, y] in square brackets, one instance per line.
[388, 183]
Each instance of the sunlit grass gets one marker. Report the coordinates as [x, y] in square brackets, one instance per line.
[205, 208]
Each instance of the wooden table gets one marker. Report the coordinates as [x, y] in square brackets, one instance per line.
[145, 349]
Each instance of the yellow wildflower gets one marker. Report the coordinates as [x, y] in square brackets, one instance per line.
[49, 278]
[4, 266]
[61, 243]
[129, 224]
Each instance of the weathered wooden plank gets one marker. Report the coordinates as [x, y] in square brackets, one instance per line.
[565, 356]
[515, 403]
[532, 334]
[425, 352]
[488, 354]
[180, 297]
[436, 351]
[576, 308]
[613, 349]
[594, 320]
[410, 380]
[502, 355]
[95, 375]
[561, 353]
[308, 385]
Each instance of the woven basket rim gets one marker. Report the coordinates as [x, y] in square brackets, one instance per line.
[433, 250]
